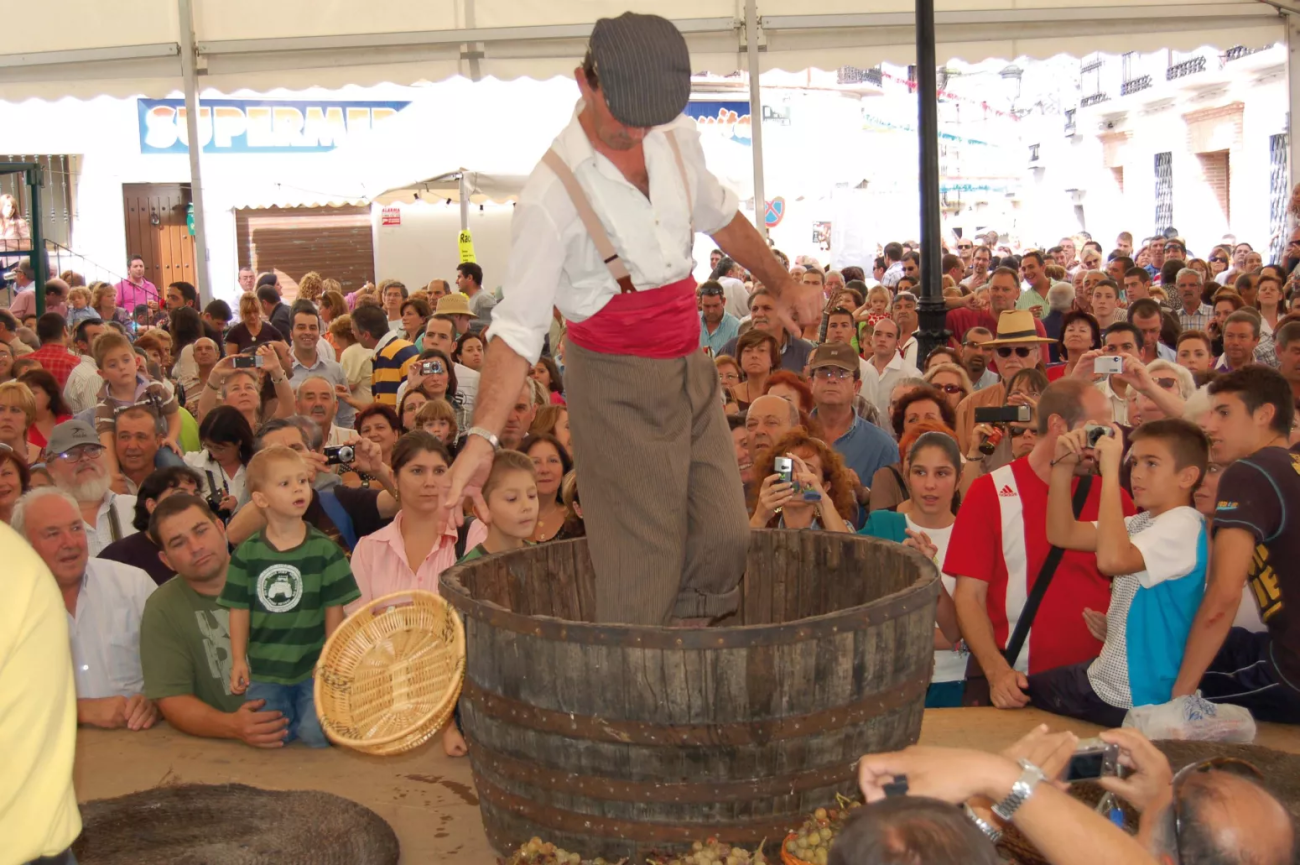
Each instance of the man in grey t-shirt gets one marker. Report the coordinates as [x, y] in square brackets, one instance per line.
[469, 281]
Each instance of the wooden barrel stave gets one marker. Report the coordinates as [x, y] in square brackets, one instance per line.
[614, 741]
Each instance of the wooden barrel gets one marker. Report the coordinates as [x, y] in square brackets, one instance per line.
[617, 740]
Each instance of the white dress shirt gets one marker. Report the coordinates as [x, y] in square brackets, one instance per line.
[1118, 404]
[553, 261]
[100, 535]
[105, 632]
[876, 386]
[84, 383]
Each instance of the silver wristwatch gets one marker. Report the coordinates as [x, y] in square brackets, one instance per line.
[484, 434]
[1020, 791]
[990, 831]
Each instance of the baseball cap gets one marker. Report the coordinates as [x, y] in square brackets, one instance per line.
[834, 354]
[644, 68]
[70, 434]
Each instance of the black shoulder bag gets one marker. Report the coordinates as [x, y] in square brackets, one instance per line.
[977, 684]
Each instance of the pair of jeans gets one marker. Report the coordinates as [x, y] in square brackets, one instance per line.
[295, 702]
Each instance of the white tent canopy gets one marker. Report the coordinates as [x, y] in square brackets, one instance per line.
[127, 49]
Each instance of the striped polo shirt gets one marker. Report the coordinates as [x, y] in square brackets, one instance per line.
[286, 593]
[391, 359]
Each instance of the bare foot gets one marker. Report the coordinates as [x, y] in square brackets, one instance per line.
[453, 743]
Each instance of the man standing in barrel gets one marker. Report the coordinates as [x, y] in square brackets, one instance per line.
[604, 230]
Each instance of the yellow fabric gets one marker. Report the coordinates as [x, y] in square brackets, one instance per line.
[38, 711]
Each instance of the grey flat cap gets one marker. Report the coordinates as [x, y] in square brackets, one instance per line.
[71, 434]
[644, 68]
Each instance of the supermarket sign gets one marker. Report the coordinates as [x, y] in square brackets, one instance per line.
[258, 126]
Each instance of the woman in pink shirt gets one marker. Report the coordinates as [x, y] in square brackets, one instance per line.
[414, 549]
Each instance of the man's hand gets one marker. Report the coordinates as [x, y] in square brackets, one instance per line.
[141, 712]
[1048, 751]
[950, 774]
[797, 305]
[1084, 369]
[344, 395]
[108, 713]
[1096, 624]
[1110, 454]
[1151, 782]
[468, 473]
[1070, 447]
[1007, 689]
[257, 728]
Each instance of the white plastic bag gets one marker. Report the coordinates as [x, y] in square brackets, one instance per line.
[1194, 719]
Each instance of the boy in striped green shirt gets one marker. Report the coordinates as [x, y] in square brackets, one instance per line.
[286, 588]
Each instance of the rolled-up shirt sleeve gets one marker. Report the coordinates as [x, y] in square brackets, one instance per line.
[714, 204]
[523, 317]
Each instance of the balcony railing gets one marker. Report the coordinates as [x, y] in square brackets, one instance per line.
[1135, 85]
[1094, 99]
[1069, 121]
[1237, 52]
[1187, 67]
[853, 75]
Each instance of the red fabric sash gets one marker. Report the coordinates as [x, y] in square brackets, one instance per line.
[658, 323]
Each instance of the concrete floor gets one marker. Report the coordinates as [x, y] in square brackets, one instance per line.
[426, 797]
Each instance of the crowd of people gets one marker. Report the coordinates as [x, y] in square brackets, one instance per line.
[1097, 460]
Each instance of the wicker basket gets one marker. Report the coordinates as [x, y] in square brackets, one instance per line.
[389, 677]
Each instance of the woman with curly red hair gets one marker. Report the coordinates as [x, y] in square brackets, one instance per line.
[789, 386]
[826, 488]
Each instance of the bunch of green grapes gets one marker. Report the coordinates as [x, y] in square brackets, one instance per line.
[711, 851]
[812, 843]
[539, 852]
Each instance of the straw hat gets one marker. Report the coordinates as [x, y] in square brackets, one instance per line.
[453, 304]
[1016, 326]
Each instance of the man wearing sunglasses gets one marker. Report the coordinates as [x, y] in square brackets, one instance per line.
[1016, 347]
[78, 465]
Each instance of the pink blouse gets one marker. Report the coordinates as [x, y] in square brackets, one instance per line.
[380, 567]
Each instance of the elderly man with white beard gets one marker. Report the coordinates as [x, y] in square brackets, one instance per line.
[78, 465]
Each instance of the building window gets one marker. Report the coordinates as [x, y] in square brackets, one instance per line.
[1164, 191]
[58, 194]
[1278, 194]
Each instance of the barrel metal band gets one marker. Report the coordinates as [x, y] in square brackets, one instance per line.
[738, 733]
[918, 596]
[618, 790]
[621, 831]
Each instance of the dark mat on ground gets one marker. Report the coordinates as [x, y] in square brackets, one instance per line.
[1281, 777]
[232, 824]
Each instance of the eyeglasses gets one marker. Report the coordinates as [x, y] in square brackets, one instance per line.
[1231, 765]
[830, 373]
[1018, 431]
[1167, 383]
[950, 388]
[84, 452]
[711, 292]
[1222, 260]
[1020, 350]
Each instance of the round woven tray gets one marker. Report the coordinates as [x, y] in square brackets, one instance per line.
[389, 676]
[231, 824]
[1281, 777]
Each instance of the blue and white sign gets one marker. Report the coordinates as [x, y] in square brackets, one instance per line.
[729, 119]
[258, 126]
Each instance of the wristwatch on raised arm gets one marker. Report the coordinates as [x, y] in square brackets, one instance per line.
[1030, 777]
[484, 434]
[993, 833]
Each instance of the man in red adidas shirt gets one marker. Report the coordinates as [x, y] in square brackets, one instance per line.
[997, 549]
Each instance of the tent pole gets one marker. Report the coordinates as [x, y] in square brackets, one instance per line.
[755, 114]
[464, 201]
[931, 305]
[1293, 93]
[189, 57]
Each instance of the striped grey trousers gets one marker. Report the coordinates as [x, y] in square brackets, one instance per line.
[661, 492]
